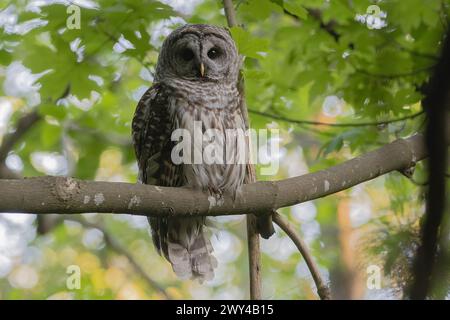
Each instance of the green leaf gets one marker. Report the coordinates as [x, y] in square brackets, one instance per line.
[247, 44]
[294, 7]
[259, 9]
[334, 145]
[58, 112]
[5, 58]
[50, 135]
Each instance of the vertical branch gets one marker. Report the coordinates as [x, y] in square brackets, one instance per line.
[254, 253]
[254, 258]
[230, 13]
[253, 240]
[437, 106]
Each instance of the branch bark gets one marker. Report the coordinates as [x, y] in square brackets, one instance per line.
[230, 13]
[67, 195]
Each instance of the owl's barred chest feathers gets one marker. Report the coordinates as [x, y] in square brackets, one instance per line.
[210, 106]
[203, 95]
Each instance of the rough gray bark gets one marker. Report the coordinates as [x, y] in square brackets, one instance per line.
[67, 195]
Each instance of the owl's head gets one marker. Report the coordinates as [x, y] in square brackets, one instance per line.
[199, 52]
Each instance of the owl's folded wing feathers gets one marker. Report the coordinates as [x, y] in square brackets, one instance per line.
[181, 241]
[151, 131]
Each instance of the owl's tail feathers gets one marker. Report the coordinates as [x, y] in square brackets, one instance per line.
[190, 252]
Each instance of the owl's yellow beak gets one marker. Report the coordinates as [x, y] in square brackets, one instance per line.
[202, 69]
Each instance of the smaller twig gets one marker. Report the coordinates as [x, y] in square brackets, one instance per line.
[112, 38]
[396, 75]
[110, 137]
[105, 41]
[328, 27]
[424, 183]
[318, 123]
[418, 183]
[238, 4]
[22, 127]
[112, 243]
[322, 289]
[24, 124]
[418, 54]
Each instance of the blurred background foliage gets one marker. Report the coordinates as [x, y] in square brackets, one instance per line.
[331, 61]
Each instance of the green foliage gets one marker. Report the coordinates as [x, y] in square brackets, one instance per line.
[248, 45]
[298, 54]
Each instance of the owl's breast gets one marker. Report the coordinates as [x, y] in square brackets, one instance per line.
[214, 141]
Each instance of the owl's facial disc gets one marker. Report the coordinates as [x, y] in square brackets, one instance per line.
[204, 57]
[199, 53]
[200, 57]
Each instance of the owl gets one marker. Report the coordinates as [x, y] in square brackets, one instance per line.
[196, 81]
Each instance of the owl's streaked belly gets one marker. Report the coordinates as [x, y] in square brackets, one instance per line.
[218, 135]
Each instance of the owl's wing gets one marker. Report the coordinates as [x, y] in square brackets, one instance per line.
[152, 127]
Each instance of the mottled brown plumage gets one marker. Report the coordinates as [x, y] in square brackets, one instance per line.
[196, 80]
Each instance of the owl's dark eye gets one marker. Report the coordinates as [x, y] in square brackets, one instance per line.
[187, 54]
[214, 53]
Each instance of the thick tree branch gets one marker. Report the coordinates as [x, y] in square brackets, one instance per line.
[66, 195]
[7, 173]
[322, 289]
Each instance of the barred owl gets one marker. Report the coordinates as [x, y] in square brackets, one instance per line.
[196, 79]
